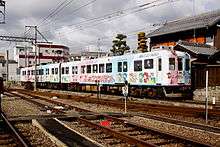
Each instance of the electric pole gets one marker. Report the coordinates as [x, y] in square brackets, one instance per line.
[35, 56]
[7, 71]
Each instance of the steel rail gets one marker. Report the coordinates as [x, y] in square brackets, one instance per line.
[160, 118]
[13, 130]
[119, 135]
[142, 127]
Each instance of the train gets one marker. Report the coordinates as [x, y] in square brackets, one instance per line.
[161, 72]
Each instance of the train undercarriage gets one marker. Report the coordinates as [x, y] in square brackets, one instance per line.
[158, 92]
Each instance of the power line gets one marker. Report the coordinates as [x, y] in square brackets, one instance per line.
[60, 5]
[108, 20]
[58, 11]
[77, 9]
[109, 15]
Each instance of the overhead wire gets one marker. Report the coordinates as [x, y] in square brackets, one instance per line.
[108, 20]
[107, 16]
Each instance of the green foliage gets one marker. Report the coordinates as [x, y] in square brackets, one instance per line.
[119, 45]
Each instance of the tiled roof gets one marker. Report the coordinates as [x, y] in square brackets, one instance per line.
[195, 22]
[199, 49]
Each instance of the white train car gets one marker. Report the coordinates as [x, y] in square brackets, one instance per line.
[147, 73]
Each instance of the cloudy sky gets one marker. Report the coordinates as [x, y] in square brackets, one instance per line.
[90, 24]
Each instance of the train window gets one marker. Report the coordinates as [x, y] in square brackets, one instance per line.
[88, 69]
[76, 70]
[108, 67]
[47, 71]
[56, 71]
[171, 63]
[119, 66]
[52, 71]
[67, 70]
[73, 69]
[180, 64]
[125, 66]
[95, 68]
[83, 69]
[159, 64]
[148, 64]
[138, 65]
[62, 70]
[187, 66]
[101, 68]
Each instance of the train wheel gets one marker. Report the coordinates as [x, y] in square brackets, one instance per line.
[152, 93]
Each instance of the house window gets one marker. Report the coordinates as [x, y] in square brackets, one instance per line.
[148, 64]
[108, 67]
[138, 65]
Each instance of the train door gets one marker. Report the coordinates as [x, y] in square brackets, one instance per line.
[150, 74]
[122, 70]
[180, 70]
[159, 71]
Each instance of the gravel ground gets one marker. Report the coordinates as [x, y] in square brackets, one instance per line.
[92, 134]
[34, 136]
[211, 138]
[93, 107]
[14, 106]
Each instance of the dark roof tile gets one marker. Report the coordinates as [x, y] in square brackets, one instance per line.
[195, 22]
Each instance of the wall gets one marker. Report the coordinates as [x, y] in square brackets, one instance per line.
[217, 38]
[213, 92]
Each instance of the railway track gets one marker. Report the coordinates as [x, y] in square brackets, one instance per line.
[119, 132]
[149, 116]
[207, 128]
[9, 135]
[138, 106]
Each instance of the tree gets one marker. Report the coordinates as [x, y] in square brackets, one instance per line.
[119, 45]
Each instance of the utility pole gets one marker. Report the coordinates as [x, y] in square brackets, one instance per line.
[98, 47]
[35, 55]
[35, 59]
[7, 71]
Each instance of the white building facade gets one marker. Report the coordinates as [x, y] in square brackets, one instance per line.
[12, 70]
[45, 53]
